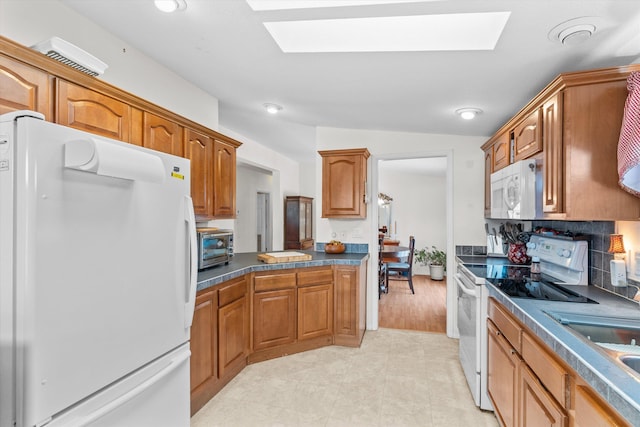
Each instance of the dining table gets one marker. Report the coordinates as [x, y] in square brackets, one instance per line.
[393, 253]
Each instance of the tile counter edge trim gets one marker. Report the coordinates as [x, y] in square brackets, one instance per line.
[205, 284]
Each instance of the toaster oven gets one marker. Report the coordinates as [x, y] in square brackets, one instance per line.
[215, 247]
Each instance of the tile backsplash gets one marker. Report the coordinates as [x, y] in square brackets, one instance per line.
[598, 237]
[598, 233]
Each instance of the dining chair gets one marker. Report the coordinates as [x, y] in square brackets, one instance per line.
[402, 270]
[382, 270]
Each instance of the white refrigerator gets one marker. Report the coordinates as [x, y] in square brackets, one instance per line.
[97, 279]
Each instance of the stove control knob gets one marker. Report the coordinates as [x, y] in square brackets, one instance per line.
[564, 253]
[531, 245]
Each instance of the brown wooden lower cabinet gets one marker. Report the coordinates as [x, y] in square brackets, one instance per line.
[219, 339]
[537, 406]
[281, 312]
[204, 349]
[350, 304]
[591, 411]
[274, 318]
[502, 368]
[532, 387]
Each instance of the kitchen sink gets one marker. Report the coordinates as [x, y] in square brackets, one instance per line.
[618, 337]
[601, 329]
[631, 361]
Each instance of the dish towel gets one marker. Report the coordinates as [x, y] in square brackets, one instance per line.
[629, 142]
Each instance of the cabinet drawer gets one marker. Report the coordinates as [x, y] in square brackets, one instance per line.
[274, 281]
[231, 292]
[315, 277]
[507, 325]
[551, 373]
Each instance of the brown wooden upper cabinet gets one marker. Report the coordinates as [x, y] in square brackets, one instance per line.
[224, 178]
[24, 88]
[29, 80]
[344, 178]
[527, 136]
[162, 134]
[91, 111]
[199, 149]
[572, 129]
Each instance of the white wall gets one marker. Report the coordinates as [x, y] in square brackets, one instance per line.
[29, 22]
[418, 208]
[285, 181]
[249, 182]
[468, 177]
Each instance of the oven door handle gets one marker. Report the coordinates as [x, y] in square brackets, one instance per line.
[463, 288]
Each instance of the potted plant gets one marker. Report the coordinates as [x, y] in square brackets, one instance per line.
[434, 258]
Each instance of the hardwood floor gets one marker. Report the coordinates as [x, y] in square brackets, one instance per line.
[424, 311]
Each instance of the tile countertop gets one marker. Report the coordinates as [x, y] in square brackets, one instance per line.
[244, 263]
[607, 376]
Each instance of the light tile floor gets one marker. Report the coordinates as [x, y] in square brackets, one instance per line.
[396, 378]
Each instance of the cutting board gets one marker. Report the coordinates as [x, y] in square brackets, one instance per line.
[276, 257]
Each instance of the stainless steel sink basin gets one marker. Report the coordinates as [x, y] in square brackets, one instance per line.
[600, 329]
[618, 338]
[632, 362]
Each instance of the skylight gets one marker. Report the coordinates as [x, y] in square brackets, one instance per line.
[311, 4]
[447, 32]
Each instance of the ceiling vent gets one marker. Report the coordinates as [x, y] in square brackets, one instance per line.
[574, 31]
[71, 55]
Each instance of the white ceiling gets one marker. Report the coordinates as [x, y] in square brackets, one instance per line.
[223, 47]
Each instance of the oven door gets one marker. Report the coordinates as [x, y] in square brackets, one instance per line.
[468, 326]
[213, 249]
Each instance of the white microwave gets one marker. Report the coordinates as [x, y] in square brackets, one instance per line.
[513, 191]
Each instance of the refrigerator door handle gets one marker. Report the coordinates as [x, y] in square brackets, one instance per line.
[133, 393]
[190, 219]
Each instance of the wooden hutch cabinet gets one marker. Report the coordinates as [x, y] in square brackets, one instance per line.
[344, 180]
[298, 222]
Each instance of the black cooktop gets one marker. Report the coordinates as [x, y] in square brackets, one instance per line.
[516, 282]
[543, 289]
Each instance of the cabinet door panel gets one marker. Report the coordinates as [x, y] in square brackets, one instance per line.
[527, 137]
[537, 407]
[344, 176]
[315, 311]
[502, 152]
[199, 149]
[204, 349]
[24, 88]
[502, 370]
[84, 109]
[233, 335]
[224, 180]
[274, 318]
[162, 135]
[553, 157]
[590, 411]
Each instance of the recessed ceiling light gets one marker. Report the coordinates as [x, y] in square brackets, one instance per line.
[468, 113]
[169, 6]
[452, 32]
[312, 4]
[272, 108]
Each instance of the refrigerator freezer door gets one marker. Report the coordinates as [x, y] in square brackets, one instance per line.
[102, 270]
[155, 396]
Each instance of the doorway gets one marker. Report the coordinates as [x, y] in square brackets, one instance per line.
[263, 222]
[414, 196]
[407, 220]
